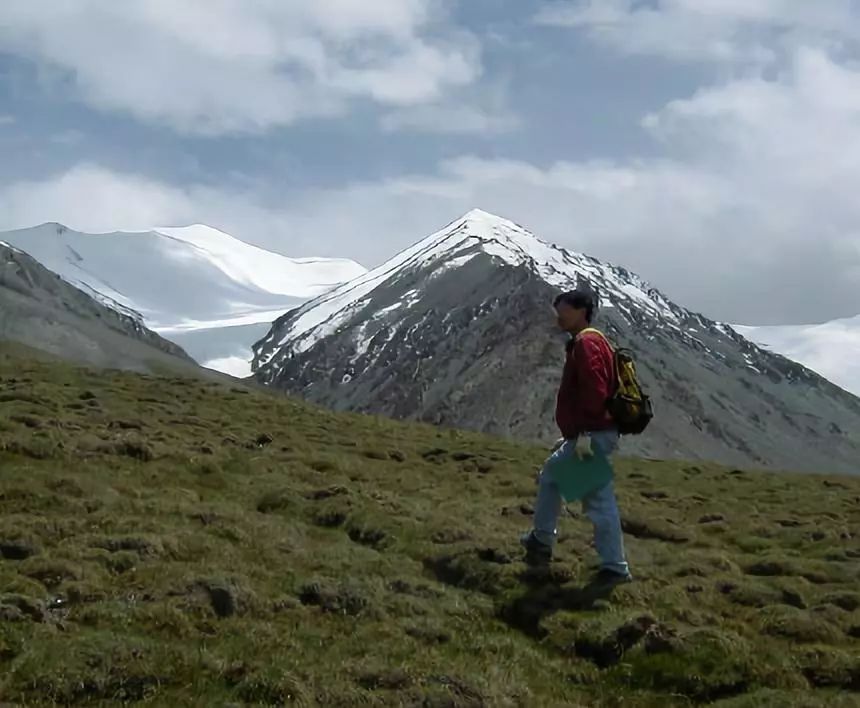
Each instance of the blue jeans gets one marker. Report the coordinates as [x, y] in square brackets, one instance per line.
[599, 506]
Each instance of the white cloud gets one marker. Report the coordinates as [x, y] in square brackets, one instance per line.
[450, 119]
[94, 199]
[216, 66]
[6, 120]
[482, 110]
[70, 198]
[751, 215]
[736, 31]
[68, 138]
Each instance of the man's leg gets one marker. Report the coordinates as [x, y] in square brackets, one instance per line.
[547, 508]
[601, 508]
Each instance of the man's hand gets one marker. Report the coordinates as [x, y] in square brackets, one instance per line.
[583, 447]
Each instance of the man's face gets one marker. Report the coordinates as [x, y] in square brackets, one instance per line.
[569, 318]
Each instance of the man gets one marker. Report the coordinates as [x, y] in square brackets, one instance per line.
[587, 382]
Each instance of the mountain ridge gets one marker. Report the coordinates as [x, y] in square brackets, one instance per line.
[197, 285]
[41, 310]
[463, 336]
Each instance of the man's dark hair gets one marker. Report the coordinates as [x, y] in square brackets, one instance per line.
[581, 300]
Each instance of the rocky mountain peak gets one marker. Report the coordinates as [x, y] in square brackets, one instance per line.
[479, 230]
[491, 228]
[478, 243]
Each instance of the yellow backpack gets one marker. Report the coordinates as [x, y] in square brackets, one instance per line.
[629, 405]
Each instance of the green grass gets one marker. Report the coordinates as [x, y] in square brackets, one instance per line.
[184, 542]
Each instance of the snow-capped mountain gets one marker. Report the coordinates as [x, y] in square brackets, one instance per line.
[832, 349]
[199, 287]
[477, 233]
[41, 310]
[459, 330]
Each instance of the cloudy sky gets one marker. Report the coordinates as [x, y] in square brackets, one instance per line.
[711, 145]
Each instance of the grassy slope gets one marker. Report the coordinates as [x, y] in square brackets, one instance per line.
[188, 543]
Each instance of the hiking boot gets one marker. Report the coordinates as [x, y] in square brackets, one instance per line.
[537, 553]
[610, 578]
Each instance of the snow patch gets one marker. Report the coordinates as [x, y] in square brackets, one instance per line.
[362, 342]
[386, 310]
[240, 320]
[260, 269]
[232, 365]
[452, 264]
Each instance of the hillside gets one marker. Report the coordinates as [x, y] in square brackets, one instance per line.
[203, 289]
[39, 309]
[459, 330]
[191, 543]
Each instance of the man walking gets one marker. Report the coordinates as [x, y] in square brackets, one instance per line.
[586, 426]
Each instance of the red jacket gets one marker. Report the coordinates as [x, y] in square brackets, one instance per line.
[586, 384]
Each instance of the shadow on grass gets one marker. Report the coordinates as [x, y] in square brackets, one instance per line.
[547, 593]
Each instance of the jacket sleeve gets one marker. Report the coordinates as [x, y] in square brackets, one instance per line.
[593, 376]
[565, 407]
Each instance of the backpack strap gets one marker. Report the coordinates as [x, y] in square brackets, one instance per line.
[616, 373]
[594, 330]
